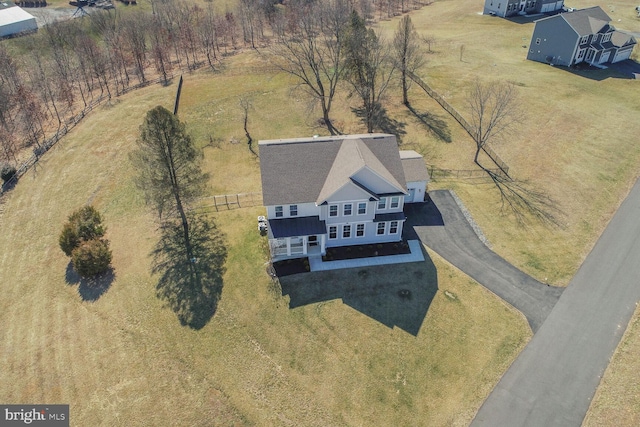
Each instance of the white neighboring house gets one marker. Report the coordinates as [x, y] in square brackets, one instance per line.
[15, 20]
[342, 190]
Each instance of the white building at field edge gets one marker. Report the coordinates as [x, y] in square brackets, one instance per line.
[15, 20]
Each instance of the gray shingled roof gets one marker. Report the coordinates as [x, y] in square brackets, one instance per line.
[298, 170]
[619, 39]
[414, 167]
[586, 21]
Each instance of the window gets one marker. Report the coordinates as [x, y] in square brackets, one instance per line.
[395, 202]
[381, 227]
[499, 5]
[595, 39]
[606, 37]
[581, 53]
[333, 232]
[333, 210]
[362, 208]
[382, 203]
[293, 210]
[538, 40]
[584, 39]
[347, 209]
[279, 212]
[393, 227]
[359, 230]
[346, 231]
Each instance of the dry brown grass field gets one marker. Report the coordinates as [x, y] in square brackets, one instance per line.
[125, 360]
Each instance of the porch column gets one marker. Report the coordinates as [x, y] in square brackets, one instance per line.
[322, 243]
[288, 246]
[304, 245]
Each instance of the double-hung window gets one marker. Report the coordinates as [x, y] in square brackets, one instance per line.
[279, 212]
[359, 230]
[333, 210]
[293, 210]
[346, 211]
[393, 227]
[362, 208]
[333, 232]
[395, 202]
[380, 229]
[382, 203]
[346, 231]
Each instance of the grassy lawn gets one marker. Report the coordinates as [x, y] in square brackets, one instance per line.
[349, 358]
[617, 402]
[124, 359]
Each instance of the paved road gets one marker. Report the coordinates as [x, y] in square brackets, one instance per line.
[442, 227]
[555, 377]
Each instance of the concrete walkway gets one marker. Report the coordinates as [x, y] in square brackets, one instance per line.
[555, 377]
[441, 225]
[416, 255]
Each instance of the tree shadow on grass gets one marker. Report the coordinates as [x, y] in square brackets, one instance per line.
[90, 289]
[190, 287]
[397, 295]
[383, 122]
[93, 288]
[434, 122]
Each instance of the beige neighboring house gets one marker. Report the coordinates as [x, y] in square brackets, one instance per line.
[332, 191]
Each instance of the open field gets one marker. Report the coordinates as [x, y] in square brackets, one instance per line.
[124, 360]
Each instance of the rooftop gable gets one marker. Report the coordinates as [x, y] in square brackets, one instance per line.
[299, 170]
[586, 21]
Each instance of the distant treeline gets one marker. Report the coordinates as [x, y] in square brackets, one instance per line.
[48, 77]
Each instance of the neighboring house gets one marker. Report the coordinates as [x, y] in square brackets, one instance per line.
[579, 36]
[14, 20]
[343, 190]
[507, 8]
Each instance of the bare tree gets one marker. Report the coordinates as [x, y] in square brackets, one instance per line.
[367, 68]
[494, 110]
[407, 55]
[313, 52]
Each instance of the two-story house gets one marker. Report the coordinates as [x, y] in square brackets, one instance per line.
[507, 8]
[342, 190]
[580, 36]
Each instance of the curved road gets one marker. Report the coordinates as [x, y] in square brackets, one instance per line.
[553, 380]
[442, 227]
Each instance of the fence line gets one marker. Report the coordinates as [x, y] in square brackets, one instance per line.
[463, 122]
[437, 173]
[231, 201]
[68, 125]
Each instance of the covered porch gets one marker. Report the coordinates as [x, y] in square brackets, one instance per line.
[296, 237]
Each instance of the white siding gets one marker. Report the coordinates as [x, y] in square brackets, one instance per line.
[374, 182]
[419, 188]
[304, 209]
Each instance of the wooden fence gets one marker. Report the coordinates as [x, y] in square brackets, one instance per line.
[230, 201]
[463, 122]
[65, 128]
[437, 173]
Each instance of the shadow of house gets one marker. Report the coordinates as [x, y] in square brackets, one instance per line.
[396, 295]
[597, 74]
[421, 214]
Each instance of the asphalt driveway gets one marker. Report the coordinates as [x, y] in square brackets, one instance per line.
[555, 377]
[441, 225]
